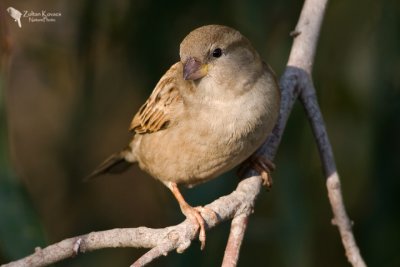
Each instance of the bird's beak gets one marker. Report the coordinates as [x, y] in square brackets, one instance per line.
[193, 69]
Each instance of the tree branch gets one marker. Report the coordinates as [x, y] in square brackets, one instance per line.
[340, 217]
[295, 81]
[238, 228]
[161, 241]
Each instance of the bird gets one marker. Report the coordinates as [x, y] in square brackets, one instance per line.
[15, 14]
[207, 114]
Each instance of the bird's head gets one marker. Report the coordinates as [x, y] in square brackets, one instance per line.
[217, 51]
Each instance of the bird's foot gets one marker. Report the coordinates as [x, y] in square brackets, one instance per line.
[194, 214]
[209, 212]
[262, 165]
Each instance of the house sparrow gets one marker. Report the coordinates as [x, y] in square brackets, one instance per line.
[15, 14]
[207, 114]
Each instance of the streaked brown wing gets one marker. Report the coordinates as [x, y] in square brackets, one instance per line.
[161, 107]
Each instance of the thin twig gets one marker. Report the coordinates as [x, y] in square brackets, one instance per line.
[340, 217]
[342, 221]
[239, 225]
[238, 228]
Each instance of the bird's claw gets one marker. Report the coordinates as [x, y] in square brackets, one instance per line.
[195, 215]
[263, 166]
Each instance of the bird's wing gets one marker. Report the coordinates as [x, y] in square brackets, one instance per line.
[164, 104]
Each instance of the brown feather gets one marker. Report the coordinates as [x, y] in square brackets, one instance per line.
[116, 163]
[158, 111]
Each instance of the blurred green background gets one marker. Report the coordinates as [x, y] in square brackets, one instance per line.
[69, 88]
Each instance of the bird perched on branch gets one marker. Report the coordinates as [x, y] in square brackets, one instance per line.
[207, 114]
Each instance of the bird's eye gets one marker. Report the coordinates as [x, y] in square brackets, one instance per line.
[217, 52]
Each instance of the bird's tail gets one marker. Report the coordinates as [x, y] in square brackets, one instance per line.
[116, 163]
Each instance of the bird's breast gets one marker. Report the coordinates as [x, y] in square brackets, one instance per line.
[207, 141]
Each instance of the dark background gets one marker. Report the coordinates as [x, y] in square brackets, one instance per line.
[69, 90]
